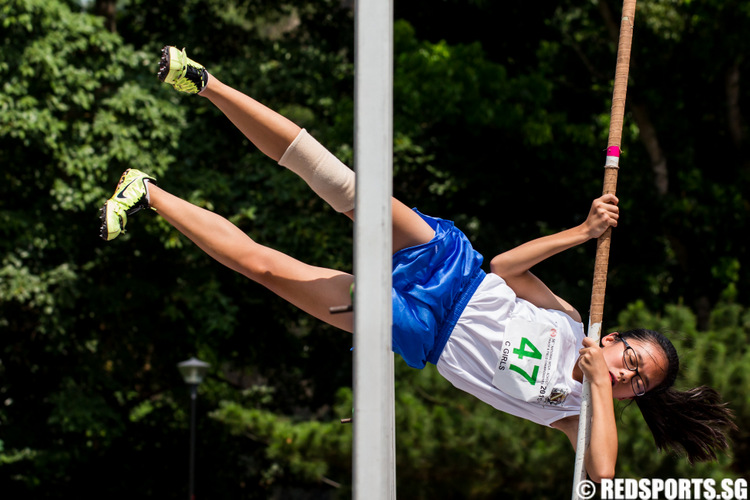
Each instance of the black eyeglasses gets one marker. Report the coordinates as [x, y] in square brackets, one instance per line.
[631, 363]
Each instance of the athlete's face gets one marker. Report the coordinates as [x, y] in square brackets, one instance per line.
[649, 357]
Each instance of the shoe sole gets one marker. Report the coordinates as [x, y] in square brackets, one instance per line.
[104, 215]
[167, 73]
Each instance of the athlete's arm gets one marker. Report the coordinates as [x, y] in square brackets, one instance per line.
[513, 266]
[601, 455]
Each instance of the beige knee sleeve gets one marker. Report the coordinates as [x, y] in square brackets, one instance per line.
[324, 173]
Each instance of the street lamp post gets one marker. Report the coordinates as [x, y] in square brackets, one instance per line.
[193, 370]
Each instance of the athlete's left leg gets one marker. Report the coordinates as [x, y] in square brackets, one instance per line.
[313, 289]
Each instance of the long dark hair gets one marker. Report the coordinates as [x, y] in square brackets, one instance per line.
[694, 422]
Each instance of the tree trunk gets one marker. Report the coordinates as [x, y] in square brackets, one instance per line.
[651, 142]
[735, 120]
[648, 134]
[108, 10]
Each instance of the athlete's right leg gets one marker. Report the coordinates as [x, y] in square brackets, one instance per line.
[270, 131]
[276, 136]
[285, 142]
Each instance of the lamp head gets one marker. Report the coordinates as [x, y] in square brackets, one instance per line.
[193, 370]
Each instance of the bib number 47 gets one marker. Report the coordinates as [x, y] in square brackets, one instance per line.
[527, 350]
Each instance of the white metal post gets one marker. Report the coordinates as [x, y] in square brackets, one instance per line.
[374, 420]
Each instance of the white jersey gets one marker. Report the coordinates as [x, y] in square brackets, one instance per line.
[515, 356]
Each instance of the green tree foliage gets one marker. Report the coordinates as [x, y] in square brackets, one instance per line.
[684, 171]
[501, 113]
[72, 116]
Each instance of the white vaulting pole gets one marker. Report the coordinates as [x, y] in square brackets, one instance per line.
[374, 474]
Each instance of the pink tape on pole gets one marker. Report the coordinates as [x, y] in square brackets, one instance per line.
[613, 157]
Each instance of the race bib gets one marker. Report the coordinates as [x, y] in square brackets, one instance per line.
[528, 359]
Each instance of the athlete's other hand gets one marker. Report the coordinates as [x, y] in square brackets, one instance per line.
[604, 213]
[592, 364]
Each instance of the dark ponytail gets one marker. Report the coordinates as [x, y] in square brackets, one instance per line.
[695, 421]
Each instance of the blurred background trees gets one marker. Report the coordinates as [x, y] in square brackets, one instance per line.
[501, 116]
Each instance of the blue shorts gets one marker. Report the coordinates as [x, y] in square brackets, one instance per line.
[432, 283]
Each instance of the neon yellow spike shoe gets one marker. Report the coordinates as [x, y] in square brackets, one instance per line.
[131, 195]
[178, 70]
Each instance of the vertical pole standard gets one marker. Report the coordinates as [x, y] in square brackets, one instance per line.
[374, 420]
[601, 264]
